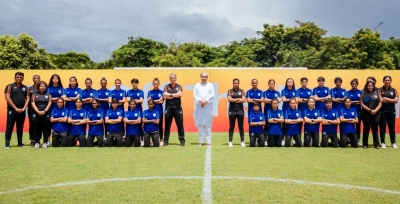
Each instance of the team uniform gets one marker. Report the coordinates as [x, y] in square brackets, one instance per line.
[321, 92]
[151, 129]
[85, 93]
[77, 131]
[136, 95]
[41, 123]
[256, 132]
[114, 130]
[55, 92]
[95, 131]
[156, 95]
[293, 130]
[388, 115]
[348, 129]
[60, 130]
[303, 94]
[355, 95]
[311, 131]
[173, 109]
[329, 131]
[268, 94]
[104, 94]
[71, 93]
[274, 129]
[118, 94]
[253, 94]
[133, 131]
[340, 94]
[288, 94]
[236, 112]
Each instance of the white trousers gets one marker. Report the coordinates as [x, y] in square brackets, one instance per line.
[204, 130]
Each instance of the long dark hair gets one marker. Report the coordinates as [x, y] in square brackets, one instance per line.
[365, 90]
[59, 80]
[286, 87]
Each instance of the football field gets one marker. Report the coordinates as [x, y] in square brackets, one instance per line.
[193, 174]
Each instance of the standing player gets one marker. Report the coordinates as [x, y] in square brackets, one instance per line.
[236, 98]
[41, 103]
[388, 116]
[293, 118]
[288, 93]
[119, 94]
[275, 119]
[59, 124]
[348, 118]
[354, 94]
[254, 95]
[32, 89]
[55, 89]
[256, 122]
[95, 117]
[150, 121]
[173, 109]
[17, 97]
[321, 93]
[136, 94]
[72, 93]
[157, 95]
[77, 120]
[88, 95]
[302, 94]
[330, 120]
[312, 120]
[269, 95]
[102, 95]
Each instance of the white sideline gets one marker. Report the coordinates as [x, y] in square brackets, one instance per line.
[206, 194]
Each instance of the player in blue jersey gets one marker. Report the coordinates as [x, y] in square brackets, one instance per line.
[354, 94]
[348, 118]
[302, 94]
[59, 120]
[275, 120]
[133, 121]
[95, 118]
[269, 95]
[157, 95]
[88, 95]
[102, 95]
[338, 94]
[55, 89]
[254, 95]
[77, 120]
[256, 121]
[72, 93]
[150, 128]
[288, 93]
[113, 120]
[119, 94]
[330, 121]
[136, 94]
[293, 118]
[321, 92]
[312, 120]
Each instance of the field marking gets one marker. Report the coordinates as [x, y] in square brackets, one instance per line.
[206, 194]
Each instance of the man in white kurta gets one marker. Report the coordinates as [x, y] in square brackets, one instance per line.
[203, 93]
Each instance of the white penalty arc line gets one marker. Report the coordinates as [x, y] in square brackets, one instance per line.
[262, 179]
[206, 194]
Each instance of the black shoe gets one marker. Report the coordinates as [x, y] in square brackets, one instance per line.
[182, 144]
[165, 144]
[32, 143]
[21, 145]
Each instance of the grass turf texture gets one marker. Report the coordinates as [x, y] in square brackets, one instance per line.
[25, 167]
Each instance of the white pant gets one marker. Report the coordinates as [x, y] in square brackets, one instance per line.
[204, 130]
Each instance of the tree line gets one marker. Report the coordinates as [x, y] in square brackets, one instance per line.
[303, 45]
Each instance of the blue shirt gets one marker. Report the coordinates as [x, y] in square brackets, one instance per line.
[340, 94]
[132, 130]
[104, 94]
[96, 130]
[313, 114]
[150, 115]
[156, 95]
[354, 95]
[55, 92]
[136, 94]
[114, 114]
[348, 128]
[59, 113]
[118, 94]
[293, 129]
[75, 114]
[91, 93]
[274, 128]
[332, 114]
[288, 94]
[253, 94]
[303, 93]
[72, 92]
[321, 92]
[268, 94]
[256, 117]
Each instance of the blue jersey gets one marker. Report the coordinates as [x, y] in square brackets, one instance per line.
[293, 129]
[256, 117]
[354, 95]
[340, 94]
[96, 130]
[132, 130]
[348, 128]
[331, 114]
[136, 94]
[274, 128]
[311, 114]
[118, 94]
[288, 94]
[114, 114]
[104, 94]
[59, 113]
[156, 95]
[91, 93]
[72, 92]
[321, 92]
[303, 93]
[150, 115]
[75, 114]
[55, 92]
[268, 94]
[253, 94]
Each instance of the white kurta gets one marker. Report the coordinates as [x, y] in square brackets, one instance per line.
[203, 115]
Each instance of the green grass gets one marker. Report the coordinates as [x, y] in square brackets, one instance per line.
[25, 167]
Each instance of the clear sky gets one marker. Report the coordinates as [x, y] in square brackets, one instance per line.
[98, 27]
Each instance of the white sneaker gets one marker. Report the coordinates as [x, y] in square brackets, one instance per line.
[44, 145]
[266, 143]
[394, 145]
[242, 144]
[360, 144]
[293, 142]
[37, 145]
[230, 144]
[283, 142]
[383, 146]
[142, 143]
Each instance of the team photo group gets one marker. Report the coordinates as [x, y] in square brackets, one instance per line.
[326, 117]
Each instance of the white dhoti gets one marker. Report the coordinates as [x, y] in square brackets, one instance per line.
[203, 116]
[204, 130]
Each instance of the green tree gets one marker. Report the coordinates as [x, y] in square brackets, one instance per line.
[72, 60]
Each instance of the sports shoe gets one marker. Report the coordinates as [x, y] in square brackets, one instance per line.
[283, 143]
[44, 145]
[230, 144]
[383, 146]
[165, 144]
[7, 145]
[37, 145]
[242, 144]
[21, 145]
[48, 143]
[141, 143]
[182, 144]
[266, 143]
[360, 144]
[394, 145]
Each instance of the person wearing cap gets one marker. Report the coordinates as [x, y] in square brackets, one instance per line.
[256, 121]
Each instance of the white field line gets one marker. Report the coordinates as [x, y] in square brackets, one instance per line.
[206, 194]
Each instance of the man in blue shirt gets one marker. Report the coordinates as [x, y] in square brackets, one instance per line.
[330, 120]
